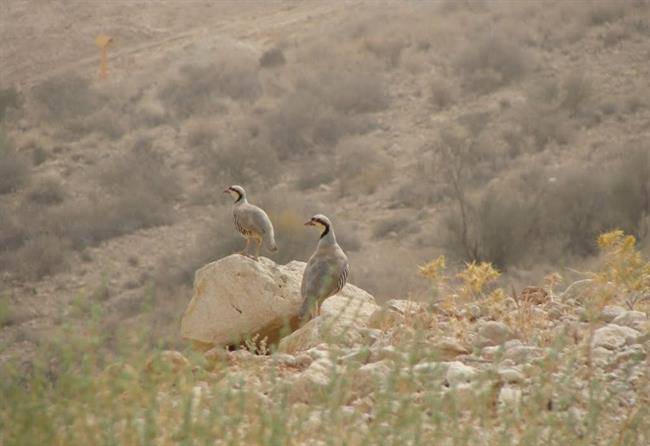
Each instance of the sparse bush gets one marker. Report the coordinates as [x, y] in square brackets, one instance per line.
[46, 190]
[41, 256]
[516, 223]
[67, 96]
[393, 225]
[490, 63]
[242, 159]
[361, 168]
[89, 222]
[273, 57]
[577, 90]
[141, 171]
[9, 98]
[603, 12]
[201, 133]
[200, 89]
[106, 122]
[442, 94]
[388, 49]
[14, 170]
[39, 156]
[320, 174]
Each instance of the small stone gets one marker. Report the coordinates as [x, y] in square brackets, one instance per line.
[610, 312]
[168, 360]
[510, 375]
[312, 380]
[494, 333]
[510, 397]
[404, 307]
[613, 336]
[448, 348]
[460, 373]
[523, 353]
[633, 319]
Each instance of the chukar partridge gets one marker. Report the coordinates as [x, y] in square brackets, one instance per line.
[251, 222]
[326, 272]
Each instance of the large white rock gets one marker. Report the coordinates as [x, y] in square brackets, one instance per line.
[236, 298]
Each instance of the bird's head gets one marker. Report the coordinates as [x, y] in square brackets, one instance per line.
[237, 192]
[321, 222]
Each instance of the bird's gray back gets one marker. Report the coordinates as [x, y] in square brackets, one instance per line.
[250, 218]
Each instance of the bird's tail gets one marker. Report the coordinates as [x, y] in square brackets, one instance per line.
[270, 244]
[306, 309]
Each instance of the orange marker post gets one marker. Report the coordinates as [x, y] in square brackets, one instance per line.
[103, 43]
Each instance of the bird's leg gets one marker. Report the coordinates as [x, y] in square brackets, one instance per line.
[257, 251]
[243, 251]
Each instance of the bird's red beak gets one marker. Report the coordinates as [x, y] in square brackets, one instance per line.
[226, 190]
[309, 223]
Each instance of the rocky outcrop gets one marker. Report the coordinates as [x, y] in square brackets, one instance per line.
[236, 298]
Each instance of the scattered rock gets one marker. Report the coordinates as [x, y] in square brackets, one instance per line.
[610, 312]
[510, 375]
[312, 381]
[509, 398]
[448, 348]
[168, 360]
[613, 336]
[493, 333]
[633, 319]
[460, 373]
[404, 307]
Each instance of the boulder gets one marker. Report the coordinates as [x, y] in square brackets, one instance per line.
[343, 320]
[237, 298]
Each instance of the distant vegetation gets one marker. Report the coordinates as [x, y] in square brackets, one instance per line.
[508, 163]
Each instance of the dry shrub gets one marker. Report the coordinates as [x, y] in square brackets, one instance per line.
[66, 96]
[491, 62]
[348, 91]
[387, 48]
[241, 159]
[46, 190]
[393, 226]
[200, 89]
[14, 169]
[40, 256]
[443, 94]
[272, 57]
[141, 171]
[522, 220]
[107, 121]
[303, 121]
[362, 167]
[89, 222]
[201, 133]
[605, 11]
[319, 174]
[9, 98]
